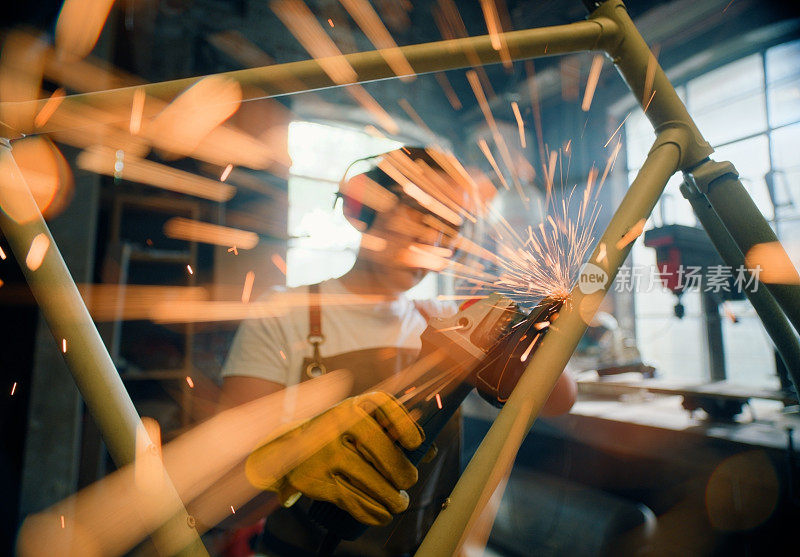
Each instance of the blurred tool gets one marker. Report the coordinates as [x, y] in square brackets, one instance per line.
[484, 346]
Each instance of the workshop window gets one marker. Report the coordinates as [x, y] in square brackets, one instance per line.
[322, 244]
[749, 110]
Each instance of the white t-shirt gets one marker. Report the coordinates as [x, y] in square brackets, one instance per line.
[273, 348]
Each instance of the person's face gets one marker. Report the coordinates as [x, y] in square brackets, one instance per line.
[410, 247]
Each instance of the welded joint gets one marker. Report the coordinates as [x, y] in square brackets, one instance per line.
[702, 177]
[612, 29]
[673, 133]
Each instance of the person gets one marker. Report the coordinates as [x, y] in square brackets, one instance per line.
[399, 205]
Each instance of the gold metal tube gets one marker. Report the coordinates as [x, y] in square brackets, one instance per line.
[501, 443]
[308, 75]
[648, 82]
[87, 358]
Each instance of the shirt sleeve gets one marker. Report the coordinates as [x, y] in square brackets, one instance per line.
[256, 351]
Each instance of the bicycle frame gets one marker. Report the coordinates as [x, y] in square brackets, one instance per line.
[723, 207]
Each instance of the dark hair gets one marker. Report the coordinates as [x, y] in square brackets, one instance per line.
[355, 209]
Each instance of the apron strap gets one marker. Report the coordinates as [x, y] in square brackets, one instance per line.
[315, 336]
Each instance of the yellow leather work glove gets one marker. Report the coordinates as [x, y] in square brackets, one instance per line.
[354, 463]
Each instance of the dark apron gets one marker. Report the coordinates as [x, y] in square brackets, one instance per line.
[289, 531]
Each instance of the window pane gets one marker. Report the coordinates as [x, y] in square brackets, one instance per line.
[783, 83]
[323, 243]
[786, 179]
[729, 102]
[639, 137]
[751, 159]
[749, 357]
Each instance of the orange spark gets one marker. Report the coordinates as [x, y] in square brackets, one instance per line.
[330, 22]
[520, 123]
[79, 25]
[62, 521]
[650, 73]
[180, 128]
[234, 250]
[2, 254]
[64, 345]
[772, 263]
[137, 109]
[488, 154]
[37, 251]
[282, 354]
[103, 160]
[495, 28]
[226, 173]
[528, 350]
[729, 313]
[189, 268]
[475, 84]
[610, 162]
[372, 106]
[49, 107]
[438, 401]
[190, 382]
[303, 24]
[13, 388]
[591, 82]
[1, 282]
[449, 92]
[248, 286]
[728, 6]
[649, 101]
[147, 465]
[180, 228]
[406, 106]
[616, 130]
[631, 235]
[541, 325]
[233, 511]
[278, 261]
[370, 23]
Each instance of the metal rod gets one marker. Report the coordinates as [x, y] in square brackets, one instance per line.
[308, 75]
[647, 81]
[748, 227]
[780, 331]
[501, 443]
[86, 356]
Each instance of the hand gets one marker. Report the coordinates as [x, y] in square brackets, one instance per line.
[358, 466]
